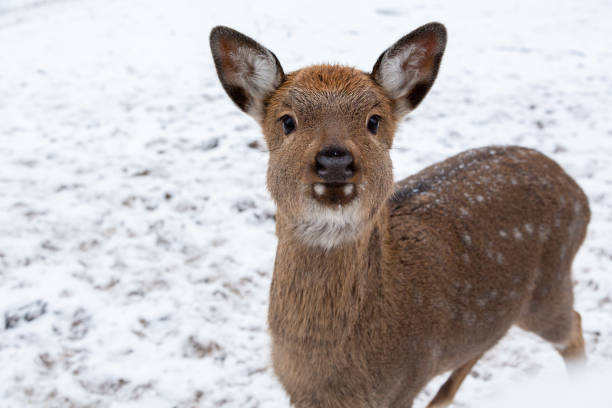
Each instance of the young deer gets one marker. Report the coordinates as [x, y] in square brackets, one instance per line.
[379, 287]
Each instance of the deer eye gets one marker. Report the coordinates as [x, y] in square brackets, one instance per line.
[373, 123]
[288, 124]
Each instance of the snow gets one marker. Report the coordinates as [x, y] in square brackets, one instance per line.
[133, 202]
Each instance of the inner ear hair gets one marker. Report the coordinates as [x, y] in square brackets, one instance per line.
[408, 68]
[248, 71]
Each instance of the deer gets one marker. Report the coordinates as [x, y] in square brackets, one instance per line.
[380, 286]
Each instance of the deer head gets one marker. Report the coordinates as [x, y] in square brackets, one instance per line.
[328, 128]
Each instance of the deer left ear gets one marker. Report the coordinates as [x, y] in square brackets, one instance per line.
[408, 69]
[248, 71]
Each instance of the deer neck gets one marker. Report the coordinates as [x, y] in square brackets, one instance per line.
[319, 295]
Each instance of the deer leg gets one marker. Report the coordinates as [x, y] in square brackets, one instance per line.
[447, 392]
[573, 352]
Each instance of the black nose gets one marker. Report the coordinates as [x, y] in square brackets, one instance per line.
[335, 164]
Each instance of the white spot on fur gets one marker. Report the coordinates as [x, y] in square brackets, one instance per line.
[467, 239]
[469, 318]
[543, 232]
[319, 189]
[577, 208]
[518, 235]
[499, 258]
[480, 198]
[330, 227]
[463, 211]
[503, 234]
[563, 252]
[348, 189]
[529, 228]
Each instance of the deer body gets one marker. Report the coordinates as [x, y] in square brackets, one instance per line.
[452, 262]
[379, 287]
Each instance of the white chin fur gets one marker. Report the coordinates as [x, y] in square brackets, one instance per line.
[327, 227]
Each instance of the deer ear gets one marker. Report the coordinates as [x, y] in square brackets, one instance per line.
[248, 71]
[408, 69]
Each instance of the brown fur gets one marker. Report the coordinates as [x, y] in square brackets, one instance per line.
[439, 266]
[369, 324]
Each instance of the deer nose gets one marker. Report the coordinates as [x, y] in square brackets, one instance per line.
[335, 164]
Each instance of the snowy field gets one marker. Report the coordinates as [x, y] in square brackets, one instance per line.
[136, 234]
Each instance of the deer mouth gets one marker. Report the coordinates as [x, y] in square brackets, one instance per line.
[334, 193]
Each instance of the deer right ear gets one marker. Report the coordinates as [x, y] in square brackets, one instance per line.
[408, 68]
[248, 71]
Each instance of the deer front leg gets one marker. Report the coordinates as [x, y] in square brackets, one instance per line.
[447, 392]
[573, 352]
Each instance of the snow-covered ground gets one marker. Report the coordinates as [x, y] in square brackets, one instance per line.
[136, 234]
